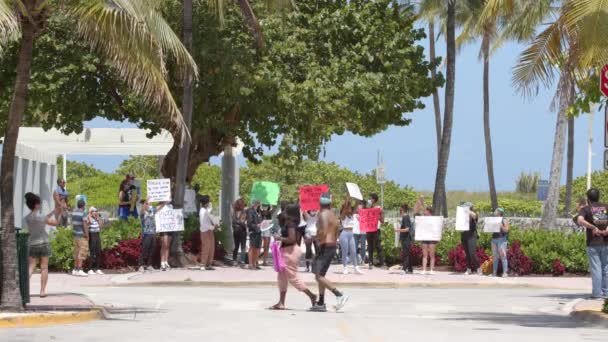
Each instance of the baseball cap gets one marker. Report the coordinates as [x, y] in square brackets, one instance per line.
[92, 209]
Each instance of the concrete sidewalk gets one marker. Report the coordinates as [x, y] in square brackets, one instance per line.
[232, 276]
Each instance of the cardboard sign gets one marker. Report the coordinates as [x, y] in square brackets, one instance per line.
[310, 196]
[169, 220]
[463, 216]
[429, 228]
[159, 190]
[189, 201]
[492, 224]
[266, 225]
[354, 191]
[266, 192]
[368, 219]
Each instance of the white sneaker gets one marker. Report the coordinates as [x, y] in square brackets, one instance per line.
[358, 270]
[423, 272]
[468, 272]
[202, 268]
[432, 272]
[341, 301]
[141, 269]
[150, 269]
[345, 270]
[82, 274]
[402, 272]
[91, 272]
[74, 272]
[99, 272]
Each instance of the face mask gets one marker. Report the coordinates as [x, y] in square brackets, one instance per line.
[210, 207]
[369, 202]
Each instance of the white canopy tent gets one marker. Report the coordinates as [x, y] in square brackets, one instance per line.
[37, 152]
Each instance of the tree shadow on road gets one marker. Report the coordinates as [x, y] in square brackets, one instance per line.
[564, 296]
[531, 320]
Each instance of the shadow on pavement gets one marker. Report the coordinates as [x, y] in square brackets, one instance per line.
[565, 296]
[531, 320]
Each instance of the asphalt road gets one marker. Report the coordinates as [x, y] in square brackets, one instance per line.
[405, 314]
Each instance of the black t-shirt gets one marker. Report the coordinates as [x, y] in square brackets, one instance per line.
[473, 224]
[597, 215]
[502, 233]
[406, 222]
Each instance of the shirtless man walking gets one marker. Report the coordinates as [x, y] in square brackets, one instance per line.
[327, 235]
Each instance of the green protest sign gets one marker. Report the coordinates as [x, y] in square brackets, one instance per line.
[265, 192]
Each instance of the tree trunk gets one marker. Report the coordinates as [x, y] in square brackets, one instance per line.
[252, 23]
[10, 297]
[485, 45]
[566, 98]
[439, 201]
[184, 151]
[569, 167]
[436, 105]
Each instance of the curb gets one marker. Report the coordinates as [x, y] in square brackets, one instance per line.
[45, 319]
[378, 285]
[591, 316]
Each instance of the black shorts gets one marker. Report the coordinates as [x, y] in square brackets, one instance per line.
[323, 259]
[255, 240]
[39, 251]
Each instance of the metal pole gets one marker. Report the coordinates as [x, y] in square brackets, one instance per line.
[590, 149]
[65, 167]
[382, 196]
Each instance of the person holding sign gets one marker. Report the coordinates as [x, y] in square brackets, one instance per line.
[239, 230]
[310, 236]
[148, 236]
[468, 239]
[428, 248]
[406, 239]
[499, 245]
[328, 226]
[360, 237]
[165, 240]
[288, 220]
[374, 241]
[208, 223]
[255, 234]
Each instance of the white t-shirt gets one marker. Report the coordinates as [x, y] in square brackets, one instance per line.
[348, 222]
[311, 225]
[206, 220]
[356, 227]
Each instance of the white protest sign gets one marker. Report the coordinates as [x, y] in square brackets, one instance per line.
[189, 201]
[492, 224]
[159, 190]
[429, 228]
[462, 218]
[266, 225]
[169, 220]
[354, 191]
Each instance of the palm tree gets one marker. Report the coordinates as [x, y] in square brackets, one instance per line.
[439, 201]
[569, 166]
[129, 33]
[573, 44]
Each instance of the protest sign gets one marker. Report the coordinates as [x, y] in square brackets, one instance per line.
[429, 228]
[492, 224]
[189, 201]
[368, 219]
[463, 215]
[266, 225]
[159, 190]
[354, 191]
[266, 192]
[310, 196]
[169, 220]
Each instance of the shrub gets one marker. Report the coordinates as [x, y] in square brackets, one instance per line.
[62, 246]
[605, 308]
[513, 207]
[527, 182]
[558, 268]
[519, 262]
[120, 230]
[457, 259]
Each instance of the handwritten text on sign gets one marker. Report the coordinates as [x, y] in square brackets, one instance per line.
[159, 190]
[169, 220]
[368, 219]
[310, 196]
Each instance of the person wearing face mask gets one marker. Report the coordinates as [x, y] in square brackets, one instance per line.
[148, 232]
[255, 234]
[208, 223]
[266, 214]
[310, 236]
[347, 238]
[374, 242]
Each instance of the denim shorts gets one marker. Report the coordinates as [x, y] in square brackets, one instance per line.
[41, 250]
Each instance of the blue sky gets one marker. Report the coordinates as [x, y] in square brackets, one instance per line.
[522, 133]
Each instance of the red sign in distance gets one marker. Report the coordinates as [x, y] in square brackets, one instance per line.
[604, 80]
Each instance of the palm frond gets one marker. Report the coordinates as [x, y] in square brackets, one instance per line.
[137, 40]
[431, 9]
[9, 25]
[535, 66]
[589, 19]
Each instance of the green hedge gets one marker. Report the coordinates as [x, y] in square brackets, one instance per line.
[62, 257]
[542, 246]
[513, 207]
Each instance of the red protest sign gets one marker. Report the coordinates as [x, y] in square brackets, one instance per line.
[310, 196]
[368, 219]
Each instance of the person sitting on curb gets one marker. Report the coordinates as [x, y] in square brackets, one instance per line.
[80, 231]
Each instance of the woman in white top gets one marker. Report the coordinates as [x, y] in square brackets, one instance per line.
[360, 238]
[208, 223]
[38, 241]
[310, 236]
[347, 239]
